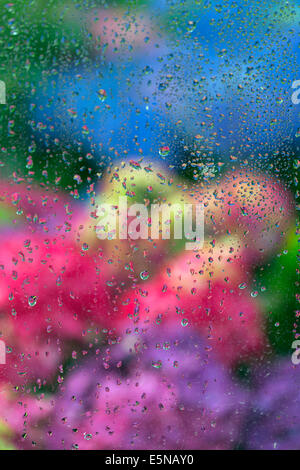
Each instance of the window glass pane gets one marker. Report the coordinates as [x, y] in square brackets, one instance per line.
[149, 192]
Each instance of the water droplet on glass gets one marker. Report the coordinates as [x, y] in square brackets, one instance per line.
[32, 300]
[144, 275]
[164, 151]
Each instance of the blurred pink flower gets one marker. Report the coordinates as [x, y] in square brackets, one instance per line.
[202, 290]
[39, 209]
[23, 415]
[255, 207]
[50, 291]
[117, 31]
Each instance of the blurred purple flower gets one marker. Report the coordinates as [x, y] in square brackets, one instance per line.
[160, 389]
[274, 421]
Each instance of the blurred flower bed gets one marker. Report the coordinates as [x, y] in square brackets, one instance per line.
[140, 344]
[121, 344]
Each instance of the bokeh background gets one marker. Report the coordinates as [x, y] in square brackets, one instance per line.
[140, 344]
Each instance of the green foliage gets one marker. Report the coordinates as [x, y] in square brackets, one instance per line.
[278, 279]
